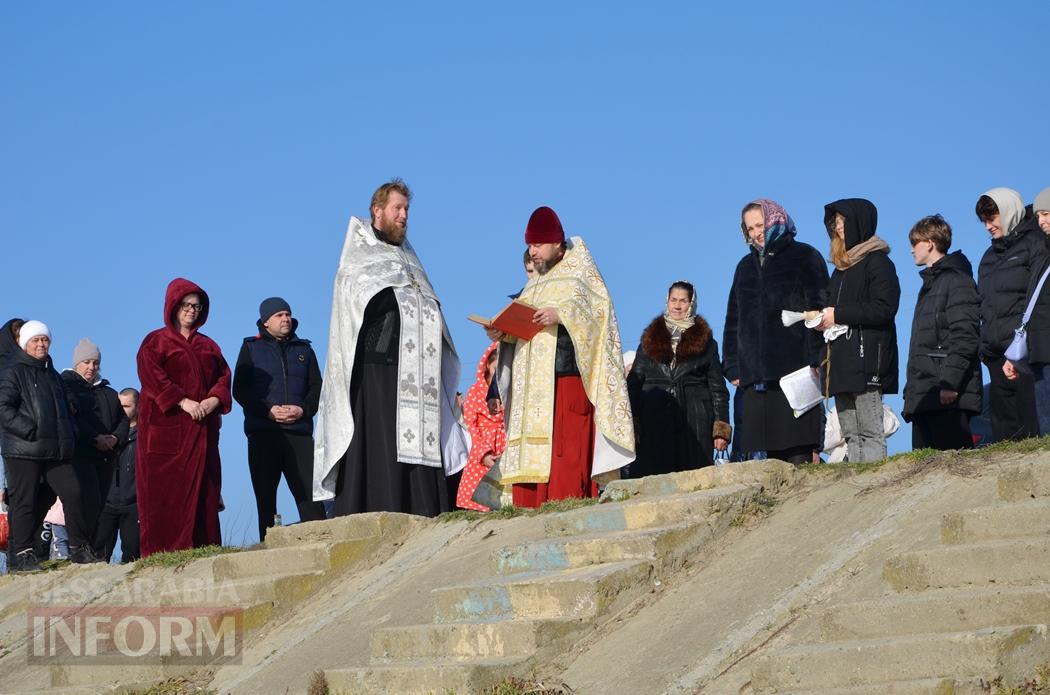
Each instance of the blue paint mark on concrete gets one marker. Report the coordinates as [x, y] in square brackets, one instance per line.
[534, 557]
[491, 602]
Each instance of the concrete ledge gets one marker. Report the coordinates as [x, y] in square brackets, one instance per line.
[771, 473]
[936, 610]
[1012, 652]
[423, 678]
[929, 686]
[1030, 518]
[474, 640]
[1005, 563]
[1027, 481]
[343, 528]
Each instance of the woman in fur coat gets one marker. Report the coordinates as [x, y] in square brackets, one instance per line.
[678, 394]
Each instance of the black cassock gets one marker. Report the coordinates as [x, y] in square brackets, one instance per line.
[370, 478]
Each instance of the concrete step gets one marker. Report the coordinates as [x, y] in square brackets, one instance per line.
[926, 686]
[469, 641]
[771, 474]
[312, 557]
[593, 549]
[1012, 652]
[1025, 519]
[577, 593]
[73, 675]
[1010, 562]
[936, 610]
[1026, 481]
[343, 528]
[421, 678]
[643, 512]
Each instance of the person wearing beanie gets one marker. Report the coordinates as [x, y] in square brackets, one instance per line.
[38, 441]
[1007, 270]
[277, 381]
[386, 436]
[1038, 328]
[185, 392]
[102, 429]
[570, 427]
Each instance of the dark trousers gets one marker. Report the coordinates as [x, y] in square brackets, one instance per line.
[942, 430]
[125, 520]
[23, 487]
[1012, 404]
[272, 454]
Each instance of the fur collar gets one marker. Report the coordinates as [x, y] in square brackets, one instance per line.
[656, 341]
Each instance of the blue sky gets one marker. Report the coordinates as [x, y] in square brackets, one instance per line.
[229, 142]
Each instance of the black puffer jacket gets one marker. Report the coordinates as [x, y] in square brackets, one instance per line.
[8, 345]
[679, 400]
[944, 338]
[122, 489]
[1039, 324]
[756, 346]
[1004, 278]
[34, 411]
[97, 411]
[865, 298]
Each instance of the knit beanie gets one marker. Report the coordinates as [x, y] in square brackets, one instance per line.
[544, 227]
[86, 350]
[30, 330]
[271, 306]
[1042, 201]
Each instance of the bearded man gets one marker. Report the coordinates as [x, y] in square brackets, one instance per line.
[569, 424]
[386, 434]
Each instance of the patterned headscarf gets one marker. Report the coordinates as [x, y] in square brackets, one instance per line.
[777, 221]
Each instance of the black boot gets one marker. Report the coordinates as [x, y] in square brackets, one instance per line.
[25, 561]
[83, 555]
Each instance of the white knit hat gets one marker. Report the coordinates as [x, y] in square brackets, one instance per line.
[30, 330]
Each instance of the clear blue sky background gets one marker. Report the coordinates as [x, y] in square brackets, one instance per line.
[229, 142]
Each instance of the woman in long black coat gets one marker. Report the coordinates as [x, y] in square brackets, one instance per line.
[678, 394]
[778, 273]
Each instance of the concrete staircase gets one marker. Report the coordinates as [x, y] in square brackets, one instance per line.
[543, 596]
[264, 584]
[973, 609]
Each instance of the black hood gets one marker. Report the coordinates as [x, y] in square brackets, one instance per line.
[861, 219]
[8, 346]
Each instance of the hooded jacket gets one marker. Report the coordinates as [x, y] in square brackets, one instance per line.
[944, 340]
[1005, 273]
[865, 297]
[35, 411]
[98, 411]
[273, 372]
[8, 344]
[179, 470]
[679, 399]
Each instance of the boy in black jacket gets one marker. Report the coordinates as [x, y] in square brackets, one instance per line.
[121, 511]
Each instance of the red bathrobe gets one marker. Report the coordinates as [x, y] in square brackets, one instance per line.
[178, 474]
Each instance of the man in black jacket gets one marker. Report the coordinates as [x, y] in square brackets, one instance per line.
[1017, 252]
[943, 390]
[278, 383]
[121, 510]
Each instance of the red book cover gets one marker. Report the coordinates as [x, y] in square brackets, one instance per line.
[515, 320]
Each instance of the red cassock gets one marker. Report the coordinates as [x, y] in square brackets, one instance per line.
[178, 473]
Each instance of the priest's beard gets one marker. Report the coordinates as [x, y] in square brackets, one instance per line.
[544, 267]
[395, 236]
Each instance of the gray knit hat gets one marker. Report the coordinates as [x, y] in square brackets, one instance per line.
[86, 350]
[1042, 201]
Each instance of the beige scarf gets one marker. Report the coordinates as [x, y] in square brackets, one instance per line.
[856, 254]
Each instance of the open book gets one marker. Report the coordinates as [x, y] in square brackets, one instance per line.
[515, 320]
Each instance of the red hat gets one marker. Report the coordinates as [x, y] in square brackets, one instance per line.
[544, 227]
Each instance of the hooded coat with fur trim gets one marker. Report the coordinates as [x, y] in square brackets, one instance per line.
[865, 297]
[680, 401]
[179, 472]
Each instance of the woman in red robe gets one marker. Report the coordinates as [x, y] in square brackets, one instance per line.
[185, 391]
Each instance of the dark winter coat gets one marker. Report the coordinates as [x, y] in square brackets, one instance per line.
[122, 490]
[1039, 323]
[680, 401]
[35, 411]
[756, 346]
[944, 340]
[865, 297]
[1004, 279]
[8, 344]
[273, 372]
[97, 410]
